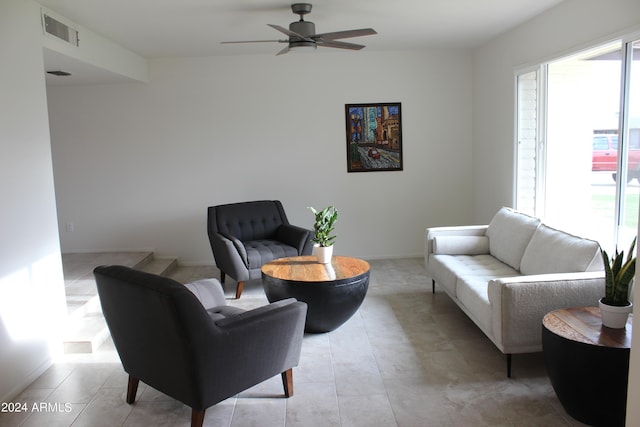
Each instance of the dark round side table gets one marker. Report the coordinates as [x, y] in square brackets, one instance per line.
[333, 292]
[588, 364]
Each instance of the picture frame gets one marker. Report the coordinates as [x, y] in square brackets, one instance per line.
[374, 136]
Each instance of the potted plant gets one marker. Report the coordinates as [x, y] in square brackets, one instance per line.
[619, 273]
[323, 226]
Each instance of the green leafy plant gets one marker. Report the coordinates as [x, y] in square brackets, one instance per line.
[618, 276]
[324, 225]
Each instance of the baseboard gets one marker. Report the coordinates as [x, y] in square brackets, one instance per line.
[20, 387]
[207, 263]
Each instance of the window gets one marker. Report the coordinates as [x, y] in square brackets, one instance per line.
[578, 136]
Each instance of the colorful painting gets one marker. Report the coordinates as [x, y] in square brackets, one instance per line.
[374, 137]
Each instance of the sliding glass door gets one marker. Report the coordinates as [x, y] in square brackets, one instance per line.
[583, 112]
[579, 143]
[630, 125]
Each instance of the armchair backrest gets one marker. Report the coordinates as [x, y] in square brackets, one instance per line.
[151, 322]
[247, 220]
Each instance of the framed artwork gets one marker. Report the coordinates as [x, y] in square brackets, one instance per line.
[374, 137]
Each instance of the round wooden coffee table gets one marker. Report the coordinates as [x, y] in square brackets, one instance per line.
[333, 292]
[588, 364]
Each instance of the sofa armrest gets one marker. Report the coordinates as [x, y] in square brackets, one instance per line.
[454, 231]
[519, 303]
[460, 245]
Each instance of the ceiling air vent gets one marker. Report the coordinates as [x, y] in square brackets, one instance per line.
[59, 30]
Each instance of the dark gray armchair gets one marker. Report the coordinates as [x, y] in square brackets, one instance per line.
[244, 236]
[184, 341]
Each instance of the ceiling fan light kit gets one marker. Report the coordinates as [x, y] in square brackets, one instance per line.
[302, 34]
[299, 47]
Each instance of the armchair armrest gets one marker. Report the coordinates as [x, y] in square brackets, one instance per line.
[260, 343]
[256, 315]
[272, 331]
[519, 303]
[295, 236]
[238, 245]
[232, 354]
[230, 255]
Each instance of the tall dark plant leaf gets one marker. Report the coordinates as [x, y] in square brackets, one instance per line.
[618, 276]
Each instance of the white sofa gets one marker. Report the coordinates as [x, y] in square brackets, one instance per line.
[507, 275]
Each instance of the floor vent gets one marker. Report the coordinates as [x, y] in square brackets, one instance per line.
[60, 30]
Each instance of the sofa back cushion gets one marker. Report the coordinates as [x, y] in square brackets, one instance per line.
[509, 234]
[554, 251]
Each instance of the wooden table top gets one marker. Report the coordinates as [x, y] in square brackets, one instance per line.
[584, 324]
[308, 269]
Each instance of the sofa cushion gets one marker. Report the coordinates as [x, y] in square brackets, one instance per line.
[442, 269]
[445, 269]
[554, 251]
[509, 234]
[208, 291]
[460, 245]
[260, 252]
[472, 293]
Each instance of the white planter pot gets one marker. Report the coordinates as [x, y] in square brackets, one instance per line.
[614, 316]
[323, 253]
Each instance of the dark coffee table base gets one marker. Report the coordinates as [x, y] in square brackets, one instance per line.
[590, 381]
[588, 364]
[330, 304]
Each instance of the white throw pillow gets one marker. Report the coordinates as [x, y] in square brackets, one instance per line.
[509, 234]
[554, 251]
[460, 245]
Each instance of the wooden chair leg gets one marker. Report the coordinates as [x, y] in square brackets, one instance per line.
[287, 382]
[509, 365]
[197, 417]
[239, 289]
[132, 389]
[433, 286]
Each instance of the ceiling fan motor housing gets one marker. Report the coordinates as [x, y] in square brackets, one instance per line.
[304, 28]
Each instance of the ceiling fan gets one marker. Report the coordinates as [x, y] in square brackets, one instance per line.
[302, 34]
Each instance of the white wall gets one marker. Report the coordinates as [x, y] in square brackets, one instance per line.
[136, 165]
[31, 282]
[572, 25]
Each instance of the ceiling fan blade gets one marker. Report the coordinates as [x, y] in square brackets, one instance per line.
[339, 45]
[256, 41]
[346, 34]
[289, 32]
[283, 51]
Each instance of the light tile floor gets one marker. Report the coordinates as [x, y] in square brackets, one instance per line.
[406, 358]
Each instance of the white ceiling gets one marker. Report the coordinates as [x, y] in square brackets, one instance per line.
[161, 28]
